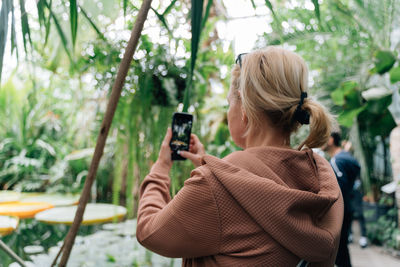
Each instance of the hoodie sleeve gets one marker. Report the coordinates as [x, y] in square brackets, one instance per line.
[186, 226]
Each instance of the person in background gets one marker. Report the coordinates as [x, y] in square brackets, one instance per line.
[357, 203]
[347, 170]
[268, 205]
[358, 213]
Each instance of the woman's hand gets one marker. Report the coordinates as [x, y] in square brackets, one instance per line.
[164, 157]
[196, 151]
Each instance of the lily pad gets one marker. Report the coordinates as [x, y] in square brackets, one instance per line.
[8, 224]
[23, 210]
[7, 196]
[33, 249]
[95, 213]
[57, 200]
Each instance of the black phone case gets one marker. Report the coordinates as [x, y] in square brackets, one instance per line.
[174, 155]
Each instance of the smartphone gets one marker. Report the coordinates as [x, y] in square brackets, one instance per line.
[181, 130]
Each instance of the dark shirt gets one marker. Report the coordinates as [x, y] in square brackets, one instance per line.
[347, 169]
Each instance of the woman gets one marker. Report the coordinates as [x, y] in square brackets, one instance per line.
[268, 205]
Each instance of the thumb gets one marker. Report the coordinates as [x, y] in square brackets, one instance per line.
[187, 154]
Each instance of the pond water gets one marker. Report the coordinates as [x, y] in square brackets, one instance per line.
[111, 244]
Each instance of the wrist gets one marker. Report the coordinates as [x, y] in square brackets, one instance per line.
[160, 166]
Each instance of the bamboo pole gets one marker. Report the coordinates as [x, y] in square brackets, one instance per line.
[11, 253]
[65, 250]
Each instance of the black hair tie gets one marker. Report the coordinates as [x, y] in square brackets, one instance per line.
[302, 115]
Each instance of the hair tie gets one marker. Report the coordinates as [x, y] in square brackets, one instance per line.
[302, 115]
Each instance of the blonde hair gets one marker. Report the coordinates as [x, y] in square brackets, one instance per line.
[270, 82]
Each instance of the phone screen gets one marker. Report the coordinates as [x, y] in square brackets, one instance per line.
[181, 130]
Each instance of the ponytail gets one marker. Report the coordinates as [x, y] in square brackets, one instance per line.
[320, 125]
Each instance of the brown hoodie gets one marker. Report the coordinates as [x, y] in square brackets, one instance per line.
[264, 206]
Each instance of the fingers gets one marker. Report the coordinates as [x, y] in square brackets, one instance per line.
[187, 154]
[195, 142]
[168, 136]
[194, 139]
[195, 158]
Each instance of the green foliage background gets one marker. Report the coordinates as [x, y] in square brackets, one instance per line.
[52, 104]
[55, 109]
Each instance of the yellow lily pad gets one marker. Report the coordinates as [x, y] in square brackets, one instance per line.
[7, 196]
[8, 224]
[23, 210]
[95, 213]
[57, 200]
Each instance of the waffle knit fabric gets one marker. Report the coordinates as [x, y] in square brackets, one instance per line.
[264, 206]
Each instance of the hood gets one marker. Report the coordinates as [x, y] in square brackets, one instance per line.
[289, 193]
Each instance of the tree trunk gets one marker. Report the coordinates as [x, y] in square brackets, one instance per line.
[395, 155]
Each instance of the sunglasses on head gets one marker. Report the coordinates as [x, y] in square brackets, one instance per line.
[239, 59]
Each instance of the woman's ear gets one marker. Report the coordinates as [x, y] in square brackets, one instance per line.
[244, 115]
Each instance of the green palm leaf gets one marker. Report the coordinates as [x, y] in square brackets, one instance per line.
[161, 17]
[40, 8]
[26, 33]
[73, 13]
[253, 4]
[125, 6]
[270, 7]
[5, 9]
[91, 22]
[316, 9]
[13, 33]
[196, 14]
[47, 23]
[60, 31]
[163, 21]
[168, 9]
[209, 4]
